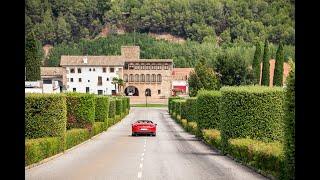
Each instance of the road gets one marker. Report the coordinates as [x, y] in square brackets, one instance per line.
[115, 154]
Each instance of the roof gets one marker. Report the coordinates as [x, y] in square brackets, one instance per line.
[51, 71]
[149, 60]
[92, 61]
[182, 70]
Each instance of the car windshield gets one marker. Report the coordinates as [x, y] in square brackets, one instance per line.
[144, 121]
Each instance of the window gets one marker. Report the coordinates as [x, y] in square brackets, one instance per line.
[125, 78]
[148, 78]
[107, 79]
[89, 69]
[80, 80]
[142, 66]
[153, 78]
[74, 90]
[87, 89]
[88, 80]
[166, 67]
[142, 78]
[159, 66]
[112, 70]
[100, 92]
[131, 78]
[131, 66]
[104, 70]
[47, 81]
[94, 69]
[136, 67]
[71, 79]
[159, 78]
[136, 78]
[99, 80]
[147, 66]
[159, 91]
[71, 70]
[79, 70]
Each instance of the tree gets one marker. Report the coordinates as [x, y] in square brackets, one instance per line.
[256, 63]
[278, 70]
[32, 58]
[203, 77]
[63, 30]
[120, 84]
[115, 82]
[265, 66]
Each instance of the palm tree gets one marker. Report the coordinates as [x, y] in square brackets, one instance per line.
[115, 82]
[120, 84]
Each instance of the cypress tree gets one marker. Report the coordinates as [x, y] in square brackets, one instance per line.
[32, 58]
[278, 70]
[256, 63]
[265, 65]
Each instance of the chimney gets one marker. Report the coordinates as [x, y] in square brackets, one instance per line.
[85, 60]
[130, 52]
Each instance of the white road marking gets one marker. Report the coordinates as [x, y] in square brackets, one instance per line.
[144, 149]
[141, 165]
[142, 159]
[139, 174]
[142, 154]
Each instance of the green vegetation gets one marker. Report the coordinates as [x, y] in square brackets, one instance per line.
[208, 109]
[254, 112]
[191, 109]
[102, 108]
[256, 63]
[80, 110]
[112, 108]
[233, 21]
[41, 148]
[45, 115]
[203, 77]
[278, 70]
[212, 137]
[267, 157]
[76, 136]
[289, 127]
[119, 107]
[33, 57]
[265, 65]
[98, 127]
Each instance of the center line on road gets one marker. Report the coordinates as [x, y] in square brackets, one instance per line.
[141, 165]
[139, 174]
[142, 154]
[144, 149]
[142, 159]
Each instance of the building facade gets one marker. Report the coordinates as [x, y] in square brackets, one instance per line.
[180, 78]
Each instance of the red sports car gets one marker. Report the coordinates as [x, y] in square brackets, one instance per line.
[144, 127]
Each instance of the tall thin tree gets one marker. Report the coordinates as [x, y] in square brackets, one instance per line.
[32, 58]
[278, 70]
[256, 63]
[265, 66]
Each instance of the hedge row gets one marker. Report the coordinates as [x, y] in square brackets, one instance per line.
[119, 107]
[212, 137]
[191, 109]
[170, 104]
[45, 115]
[252, 111]
[55, 122]
[208, 109]
[268, 157]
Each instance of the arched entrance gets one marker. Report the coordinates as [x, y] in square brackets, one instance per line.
[131, 91]
[148, 92]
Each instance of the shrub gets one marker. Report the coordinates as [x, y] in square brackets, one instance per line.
[76, 136]
[289, 128]
[176, 106]
[191, 109]
[267, 157]
[183, 109]
[118, 106]
[170, 105]
[112, 108]
[252, 111]
[98, 127]
[81, 110]
[102, 108]
[124, 105]
[184, 123]
[41, 148]
[212, 137]
[45, 115]
[193, 128]
[208, 109]
[128, 103]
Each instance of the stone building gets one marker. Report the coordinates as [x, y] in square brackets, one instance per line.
[180, 78]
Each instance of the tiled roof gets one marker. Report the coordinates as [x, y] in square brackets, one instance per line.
[51, 71]
[149, 60]
[92, 61]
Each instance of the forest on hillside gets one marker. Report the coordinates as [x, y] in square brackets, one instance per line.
[68, 21]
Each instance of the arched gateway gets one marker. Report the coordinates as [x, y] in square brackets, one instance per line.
[131, 91]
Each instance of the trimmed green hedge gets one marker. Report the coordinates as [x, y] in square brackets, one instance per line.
[98, 127]
[42, 148]
[128, 103]
[191, 109]
[193, 128]
[212, 137]
[208, 109]
[170, 105]
[267, 157]
[112, 108]
[289, 128]
[183, 109]
[252, 111]
[76, 136]
[81, 110]
[119, 106]
[45, 115]
[102, 108]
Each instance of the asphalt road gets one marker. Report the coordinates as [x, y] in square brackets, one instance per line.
[115, 154]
